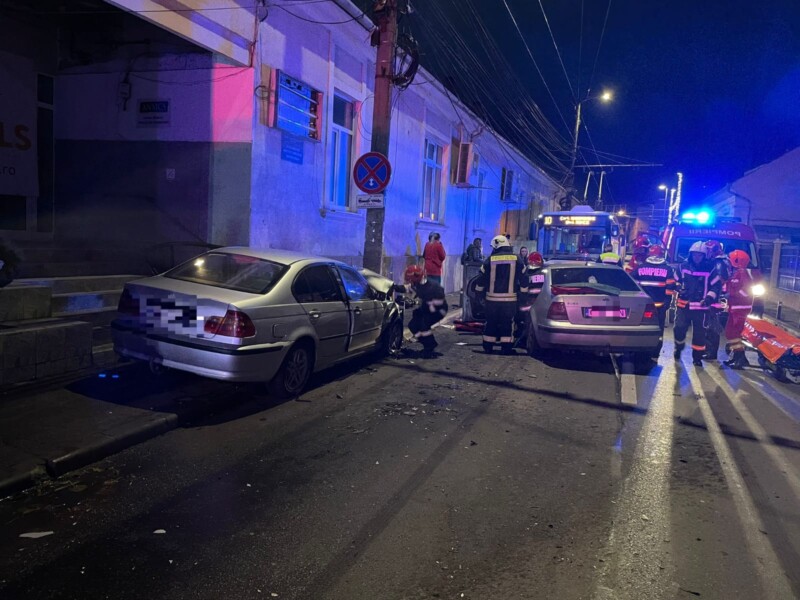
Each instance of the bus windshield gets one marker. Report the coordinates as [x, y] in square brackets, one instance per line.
[684, 243]
[562, 241]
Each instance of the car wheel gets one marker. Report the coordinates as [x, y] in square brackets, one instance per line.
[532, 344]
[294, 373]
[392, 339]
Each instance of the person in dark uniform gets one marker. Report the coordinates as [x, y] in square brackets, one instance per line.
[432, 308]
[657, 278]
[715, 252]
[501, 280]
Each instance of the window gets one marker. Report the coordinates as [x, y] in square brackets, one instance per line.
[507, 185]
[297, 107]
[340, 154]
[316, 284]
[432, 182]
[231, 271]
[356, 286]
[583, 278]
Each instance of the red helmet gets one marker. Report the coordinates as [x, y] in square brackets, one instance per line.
[713, 249]
[413, 274]
[641, 244]
[739, 259]
[535, 259]
[657, 251]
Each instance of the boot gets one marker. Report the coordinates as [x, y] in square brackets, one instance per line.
[677, 354]
[488, 347]
[731, 361]
[506, 349]
[697, 358]
[739, 361]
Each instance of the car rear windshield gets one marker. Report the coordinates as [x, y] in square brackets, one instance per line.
[231, 271]
[585, 277]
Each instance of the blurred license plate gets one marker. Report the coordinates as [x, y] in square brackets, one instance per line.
[604, 311]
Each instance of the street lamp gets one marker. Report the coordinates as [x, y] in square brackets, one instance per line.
[605, 97]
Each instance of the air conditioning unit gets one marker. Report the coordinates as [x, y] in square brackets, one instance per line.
[464, 167]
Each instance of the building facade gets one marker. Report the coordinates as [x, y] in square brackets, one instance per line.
[239, 126]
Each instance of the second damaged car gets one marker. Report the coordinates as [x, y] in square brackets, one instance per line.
[249, 315]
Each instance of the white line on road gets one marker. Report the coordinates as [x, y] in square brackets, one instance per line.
[627, 380]
[736, 399]
[767, 565]
[642, 519]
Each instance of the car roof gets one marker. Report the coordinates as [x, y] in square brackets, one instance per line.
[284, 257]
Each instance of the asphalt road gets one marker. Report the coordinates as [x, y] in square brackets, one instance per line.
[466, 476]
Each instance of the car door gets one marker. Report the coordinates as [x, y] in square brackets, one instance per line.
[365, 310]
[317, 290]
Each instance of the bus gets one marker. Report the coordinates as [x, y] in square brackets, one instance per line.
[577, 234]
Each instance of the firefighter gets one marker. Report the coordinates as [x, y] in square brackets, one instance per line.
[714, 251]
[740, 302]
[432, 308]
[535, 279]
[501, 279]
[640, 248]
[609, 257]
[700, 287]
[658, 280]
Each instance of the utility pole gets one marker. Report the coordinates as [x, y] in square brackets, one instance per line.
[385, 12]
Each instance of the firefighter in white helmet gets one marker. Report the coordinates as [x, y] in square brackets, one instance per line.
[501, 280]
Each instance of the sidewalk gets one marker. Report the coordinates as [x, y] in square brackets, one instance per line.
[790, 318]
[48, 430]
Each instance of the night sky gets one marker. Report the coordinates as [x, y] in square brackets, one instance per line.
[707, 87]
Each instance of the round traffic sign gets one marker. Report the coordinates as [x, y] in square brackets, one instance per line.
[372, 172]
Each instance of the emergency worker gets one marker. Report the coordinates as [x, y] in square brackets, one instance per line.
[658, 280]
[700, 287]
[609, 257]
[639, 250]
[740, 302]
[714, 251]
[535, 279]
[501, 279]
[432, 308]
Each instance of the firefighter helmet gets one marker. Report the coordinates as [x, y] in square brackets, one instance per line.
[413, 274]
[641, 245]
[699, 247]
[739, 259]
[535, 259]
[500, 241]
[713, 249]
[656, 251]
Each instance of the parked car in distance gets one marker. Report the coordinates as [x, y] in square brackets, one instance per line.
[251, 315]
[595, 307]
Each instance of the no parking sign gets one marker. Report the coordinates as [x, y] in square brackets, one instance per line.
[372, 172]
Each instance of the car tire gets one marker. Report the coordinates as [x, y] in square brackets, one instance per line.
[391, 342]
[294, 373]
[532, 344]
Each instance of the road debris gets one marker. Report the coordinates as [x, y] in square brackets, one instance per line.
[35, 535]
[160, 531]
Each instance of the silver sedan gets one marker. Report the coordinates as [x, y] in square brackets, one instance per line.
[242, 314]
[591, 306]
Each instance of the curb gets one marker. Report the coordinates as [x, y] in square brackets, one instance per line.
[22, 481]
[783, 325]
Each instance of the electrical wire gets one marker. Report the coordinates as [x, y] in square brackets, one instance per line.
[307, 20]
[600, 44]
[558, 52]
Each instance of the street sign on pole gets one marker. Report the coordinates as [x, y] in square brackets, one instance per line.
[370, 201]
[372, 172]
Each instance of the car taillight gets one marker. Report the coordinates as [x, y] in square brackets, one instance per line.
[650, 313]
[557, 312]
[128, 305]
[234, 324]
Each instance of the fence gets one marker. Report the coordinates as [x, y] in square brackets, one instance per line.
[789, 268]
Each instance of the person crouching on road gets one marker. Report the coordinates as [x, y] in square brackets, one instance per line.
[740, 302]
[501, 280]
[657, 279]
[700, 286]
[609, 257]
[432, 308]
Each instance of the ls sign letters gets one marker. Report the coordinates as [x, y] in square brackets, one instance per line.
[18, 157]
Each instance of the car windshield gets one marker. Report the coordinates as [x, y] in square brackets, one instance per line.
[684, 243]
[230, 271]
[591, 280]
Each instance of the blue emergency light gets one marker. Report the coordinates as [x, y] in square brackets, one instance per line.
[701, 217]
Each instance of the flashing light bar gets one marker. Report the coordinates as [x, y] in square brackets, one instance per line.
[701, 217]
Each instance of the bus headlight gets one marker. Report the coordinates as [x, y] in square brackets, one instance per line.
[758, 290]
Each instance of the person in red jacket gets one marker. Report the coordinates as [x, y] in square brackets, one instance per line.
[740, 302]
[434, 256]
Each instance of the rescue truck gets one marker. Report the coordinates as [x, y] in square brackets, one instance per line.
[701, 226]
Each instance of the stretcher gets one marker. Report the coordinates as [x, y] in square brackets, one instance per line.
[778, 350]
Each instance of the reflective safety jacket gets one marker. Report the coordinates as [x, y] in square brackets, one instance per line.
[657, 278]
[740, 297]
[610, 258]
[700, 284]
[535, 281]
[502, 276]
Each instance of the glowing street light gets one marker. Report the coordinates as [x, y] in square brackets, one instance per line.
[621, 213]
[605, 97]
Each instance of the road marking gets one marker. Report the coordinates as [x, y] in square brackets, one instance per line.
[642, 518]
[627, 380]
[767, 565]
[736, 399]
